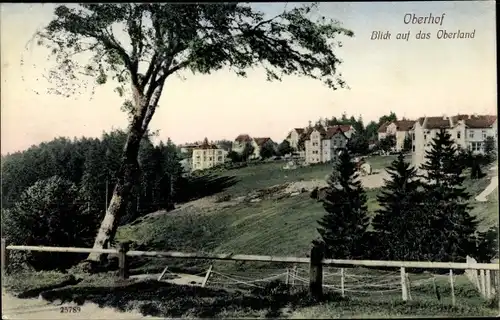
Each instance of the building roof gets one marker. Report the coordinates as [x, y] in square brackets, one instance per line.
[328, 132]
[480, 122]
[205, 145]
[438, 122]
[243, 138]
[261, 141]
[331, 131]
[383, 127]
[299, 131]
[401, 125]
[471, 121]
[404, 125]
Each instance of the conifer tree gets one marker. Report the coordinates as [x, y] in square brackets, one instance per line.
[398, 224]
[452, 234]
[343, 228]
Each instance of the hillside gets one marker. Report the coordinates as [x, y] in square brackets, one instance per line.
[272, 226]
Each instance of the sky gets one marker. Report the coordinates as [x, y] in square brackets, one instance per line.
[413, 78]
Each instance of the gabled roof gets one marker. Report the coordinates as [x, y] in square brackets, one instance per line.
[243, 138]
[401, 125]
[438, 123]
[404, 125]
[299, 131]
[334, 130]
[261, 141]
[471, 121]
[480, 122]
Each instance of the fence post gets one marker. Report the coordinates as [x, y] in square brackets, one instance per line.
[483, 283]
[452, 288]
[205, 280]
[342, 282]
[122, 260]
[287, 279]
[295, 272]
[404, 293]
[5, 258]
[488, 284]
[316, 273]
[408, 286]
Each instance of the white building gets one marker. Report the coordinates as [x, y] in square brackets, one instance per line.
[323, 145]
[294, 137]
[400, 129]
[207, 156]
[468, 131]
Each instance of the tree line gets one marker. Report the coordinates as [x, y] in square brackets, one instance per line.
[422, 217]
[56, 193]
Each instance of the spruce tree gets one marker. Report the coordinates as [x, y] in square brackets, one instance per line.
[343, 228]
[452, 235]
[398, 223]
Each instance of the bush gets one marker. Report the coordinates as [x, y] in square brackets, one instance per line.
[48, 214]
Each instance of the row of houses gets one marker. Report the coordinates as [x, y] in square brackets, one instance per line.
[206, 154]
[321, 143]
[468, 132]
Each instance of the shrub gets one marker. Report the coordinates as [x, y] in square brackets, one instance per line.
[47, 214]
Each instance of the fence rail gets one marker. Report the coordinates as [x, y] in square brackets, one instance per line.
[262, 258]
[315, 262]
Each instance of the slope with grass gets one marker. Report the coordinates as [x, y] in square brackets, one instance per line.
[264, 175]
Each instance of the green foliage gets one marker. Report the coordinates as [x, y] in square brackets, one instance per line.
[284, 148]
[267, 151]
[387, 143]
[234, 156]
[391, 117]
[358, 143]
[47, 214]
[248, 150]
[407, 144]
[371, 130]
[488, 245]
[490, 149]
[343, 228]
[165, 38]
[398, 223]
[452, 230]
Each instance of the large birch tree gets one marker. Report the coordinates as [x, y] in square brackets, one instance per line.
[138, 46]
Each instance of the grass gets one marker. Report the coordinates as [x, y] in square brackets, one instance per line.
[272, 301]
[268, 174]
[270, 227]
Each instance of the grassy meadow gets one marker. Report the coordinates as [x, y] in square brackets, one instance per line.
[282, 227]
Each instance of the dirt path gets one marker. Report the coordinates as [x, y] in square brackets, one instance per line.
[15, 308]
[483, 196]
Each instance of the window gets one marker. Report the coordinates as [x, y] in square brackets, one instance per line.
[458, 135]
[425, 137]
[471, 134]
[413, 136]
[219, 152]
[475, 146]
[484, 134]
[413, 148]
[219, 158]
[209, 158]
[314, 144]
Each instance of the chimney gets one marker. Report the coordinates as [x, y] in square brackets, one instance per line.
[445, 117]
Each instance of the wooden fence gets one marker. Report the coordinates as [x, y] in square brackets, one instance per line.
[315, 262]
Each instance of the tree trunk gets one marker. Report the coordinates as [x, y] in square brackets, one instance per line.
[128, 172]
[126, 178]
